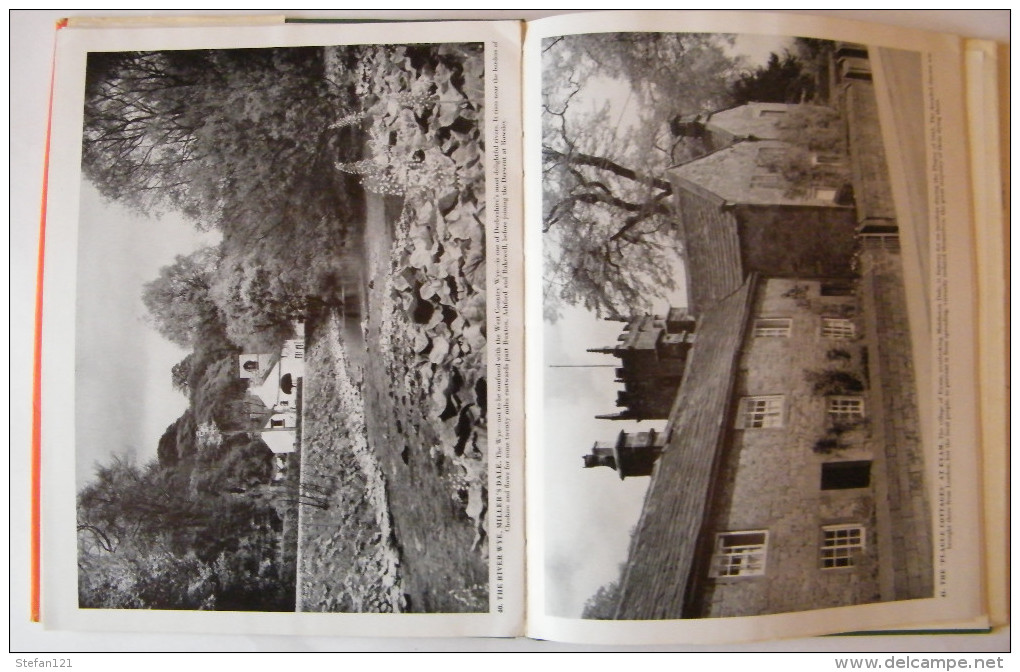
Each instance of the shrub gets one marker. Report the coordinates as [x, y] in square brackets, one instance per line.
[833, 382]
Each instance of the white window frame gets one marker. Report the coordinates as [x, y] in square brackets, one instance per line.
[773, 327]
[824, 193]
[732, 560]
[761, 412]
[844, 408]
[839, 328]
[840, 545]
[826, 159]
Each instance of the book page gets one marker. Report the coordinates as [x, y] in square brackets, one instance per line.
[281, 349]
[752, 403]
[988, 114]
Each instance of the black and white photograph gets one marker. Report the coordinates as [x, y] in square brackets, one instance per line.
[422, 330]
[280, 371]
[731, 361]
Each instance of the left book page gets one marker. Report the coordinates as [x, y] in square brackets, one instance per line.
[280, 342]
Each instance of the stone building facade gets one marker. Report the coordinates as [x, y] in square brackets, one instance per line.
[791, 472]
[794, 503]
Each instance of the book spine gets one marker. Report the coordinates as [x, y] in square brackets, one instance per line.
[36, 505]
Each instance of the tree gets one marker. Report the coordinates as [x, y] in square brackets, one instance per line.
[140, 125]
[143, 577]
[216, 134]
[602, 605]
[610, 245]
[243, 141]
[178, 299]
[143, 504]
[782, 80]
[181, 372]
[161, 536]
[258, 298]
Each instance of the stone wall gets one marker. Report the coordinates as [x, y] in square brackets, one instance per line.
[771, 477]
[868, 168]
[905, 521]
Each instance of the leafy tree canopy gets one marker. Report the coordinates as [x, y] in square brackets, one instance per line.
[602, 605]
[211, 133]
[175, 537]
[783, 79]
[610, 244]
[178, 298]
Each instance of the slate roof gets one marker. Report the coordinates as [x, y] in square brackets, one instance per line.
[663, 548]
[730, 173]
[872, 186]
[752, 119]
[711, 252]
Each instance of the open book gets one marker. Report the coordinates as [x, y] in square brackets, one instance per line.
[632, 327]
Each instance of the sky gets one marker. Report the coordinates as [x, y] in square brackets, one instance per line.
[123, 397]
[591, 511]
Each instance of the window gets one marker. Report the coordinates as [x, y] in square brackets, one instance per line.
[846, 475]
[760, 412]
[772, 327]
[840, 543]
[836, 288]
[838, 327]
[827, 194]
[739, 554]
[845, 409]
[826, 159]
[771, 113]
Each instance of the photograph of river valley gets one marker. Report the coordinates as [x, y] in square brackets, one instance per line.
[281, 362]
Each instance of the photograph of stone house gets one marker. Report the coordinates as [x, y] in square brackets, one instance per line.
[276, 380]
[779, 430]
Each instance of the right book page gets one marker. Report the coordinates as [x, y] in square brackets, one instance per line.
[752, 402]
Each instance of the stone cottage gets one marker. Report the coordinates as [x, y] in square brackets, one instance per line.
[275, 378]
